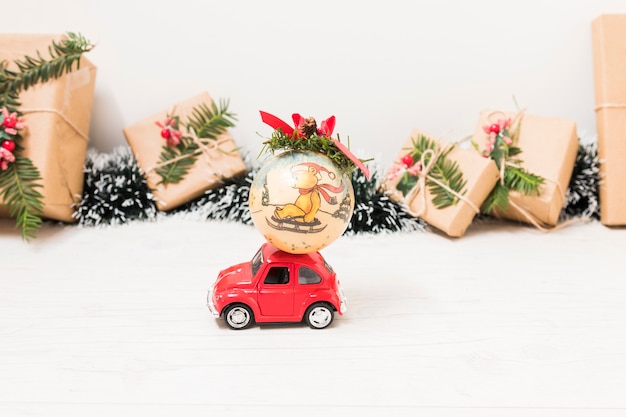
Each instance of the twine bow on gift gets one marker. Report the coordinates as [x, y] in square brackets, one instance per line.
[206, 146]
[427, 162]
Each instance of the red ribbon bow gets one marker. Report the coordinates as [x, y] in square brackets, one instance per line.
[326, 129]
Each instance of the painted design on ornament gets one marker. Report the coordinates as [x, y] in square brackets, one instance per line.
[300, 216]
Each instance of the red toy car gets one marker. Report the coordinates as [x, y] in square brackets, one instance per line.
[277, 286]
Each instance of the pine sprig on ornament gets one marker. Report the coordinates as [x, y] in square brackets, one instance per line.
[115, 190]
[19, 177]
[201, 130]
[307, 136]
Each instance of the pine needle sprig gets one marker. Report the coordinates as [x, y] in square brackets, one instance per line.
[498, 198]
[172, 168]
[39, 69]
[445, 178]
[211, 122]
[519, 179]
[449, 173]
[19, 185]
[206, 123]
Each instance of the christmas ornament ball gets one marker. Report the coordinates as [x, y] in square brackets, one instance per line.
[300, 201]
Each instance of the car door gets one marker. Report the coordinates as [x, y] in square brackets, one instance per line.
[276, 291]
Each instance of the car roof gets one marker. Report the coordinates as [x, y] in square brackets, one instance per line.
[272, 254]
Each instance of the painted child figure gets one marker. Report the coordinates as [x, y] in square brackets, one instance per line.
[307, 179]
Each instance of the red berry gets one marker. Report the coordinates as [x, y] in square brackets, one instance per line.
[494, 128]
[9, 145]
[10, 122]
[407, 160]
[166, 133]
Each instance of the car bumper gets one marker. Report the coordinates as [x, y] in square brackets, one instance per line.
[343, 301]
[211, 305]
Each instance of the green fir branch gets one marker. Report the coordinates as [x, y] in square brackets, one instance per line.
[519, 179]
[206, 123]
[18, 188]
[8, 99]
[514, 150]
[175, 162]
[211, 122]
[407, 183]
[497, 198]
[447, 173]
[39, 69]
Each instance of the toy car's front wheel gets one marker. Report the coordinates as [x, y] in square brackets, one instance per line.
[319, 316]
[238, 316]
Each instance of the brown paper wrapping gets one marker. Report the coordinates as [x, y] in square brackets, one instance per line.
[207, 172]
[609, 64]
[549, 147]
[481, 175]
[57, 115]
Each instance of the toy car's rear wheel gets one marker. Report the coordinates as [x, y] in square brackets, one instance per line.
[319, 316]
[239, 316]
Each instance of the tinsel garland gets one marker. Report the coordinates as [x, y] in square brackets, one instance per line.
[228, 202]
[582, 193]
[116, 192]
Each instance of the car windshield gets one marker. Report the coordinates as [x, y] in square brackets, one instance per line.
[257, 261]
[327, 265]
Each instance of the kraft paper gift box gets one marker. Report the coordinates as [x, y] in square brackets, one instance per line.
[609, 64]
[207, 172]
[480, 174]
[57, 115]
[549, 148]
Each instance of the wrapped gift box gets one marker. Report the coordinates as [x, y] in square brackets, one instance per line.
[207, 172]
[549, 147]
[480, 173]
[609, 64]
[57, 115]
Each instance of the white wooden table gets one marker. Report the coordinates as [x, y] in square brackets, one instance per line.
[506, 321]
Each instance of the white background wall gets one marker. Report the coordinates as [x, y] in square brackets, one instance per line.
[381, 67]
